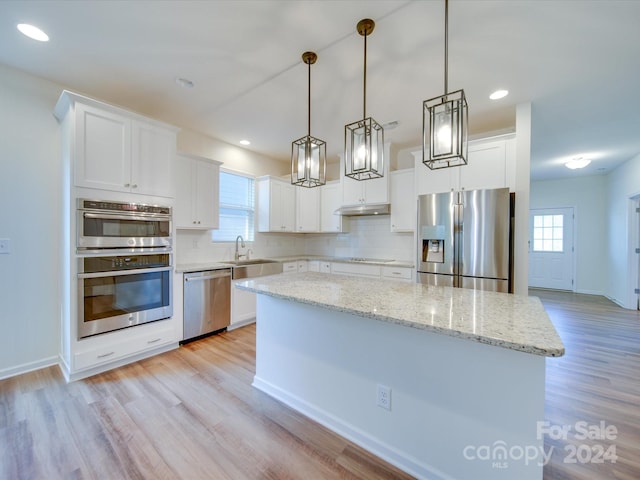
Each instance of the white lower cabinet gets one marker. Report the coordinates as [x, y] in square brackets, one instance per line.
[297, 266]
[398, 273]
[243, 306]
[104, 349]
[356, 269]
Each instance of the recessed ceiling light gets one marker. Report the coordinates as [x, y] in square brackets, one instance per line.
[33, 32]
[245, 142]
[576, 163]
[184, 82]
[499, 94]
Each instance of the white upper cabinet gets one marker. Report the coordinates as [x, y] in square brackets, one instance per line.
[307, 209]
[103, 149]
[153, 151]
[491, 164]
[197, 192]
[117, 150]
[276, 205]
[362, 192]
[330, 201]
[403, 201]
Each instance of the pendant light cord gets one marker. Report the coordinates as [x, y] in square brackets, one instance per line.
[309, 101]
[364, 95]
[446, 45]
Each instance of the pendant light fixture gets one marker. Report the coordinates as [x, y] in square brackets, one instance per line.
[308, 154]
[445, 121]
[364, 139]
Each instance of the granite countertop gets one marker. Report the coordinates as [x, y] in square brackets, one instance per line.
[510, 321]
[220, 264]
[369, 261]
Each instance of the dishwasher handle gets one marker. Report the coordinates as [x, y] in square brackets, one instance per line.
[209, 276]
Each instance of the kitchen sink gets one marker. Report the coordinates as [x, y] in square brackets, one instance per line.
[257, 267]
[251, 261]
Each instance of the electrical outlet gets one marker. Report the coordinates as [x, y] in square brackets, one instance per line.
[383, 397]
[4, 246]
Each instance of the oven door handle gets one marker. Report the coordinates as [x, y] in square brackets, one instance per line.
[106, 216]
[112, 273]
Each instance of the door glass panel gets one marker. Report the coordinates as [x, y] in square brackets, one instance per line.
[547, 233]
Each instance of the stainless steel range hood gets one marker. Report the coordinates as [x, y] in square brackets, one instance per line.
[361, 210]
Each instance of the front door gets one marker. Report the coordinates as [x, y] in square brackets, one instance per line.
[551, 252]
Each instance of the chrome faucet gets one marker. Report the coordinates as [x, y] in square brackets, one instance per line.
[237, 254]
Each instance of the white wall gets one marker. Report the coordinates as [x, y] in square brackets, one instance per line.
[623, 184]
[30, 186]
[587, 195]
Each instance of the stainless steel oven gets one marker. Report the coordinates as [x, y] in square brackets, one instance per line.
[105, 224]
[122, 290]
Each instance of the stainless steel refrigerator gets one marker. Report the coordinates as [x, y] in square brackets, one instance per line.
[465, 239]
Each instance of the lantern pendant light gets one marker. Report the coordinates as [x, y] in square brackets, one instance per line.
[445, 121]
[364, 139]
[308, 154]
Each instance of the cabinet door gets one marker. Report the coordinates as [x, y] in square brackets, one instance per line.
[276, 204]
[287, 207]
[103, 149]
[243, 305]
[307, 209]
[403, 201]
[486, 168]
[153, 157]
[376, 190]
[207, 200]
[352, 191]
[330, 201]
[432, 181]
[185, 195]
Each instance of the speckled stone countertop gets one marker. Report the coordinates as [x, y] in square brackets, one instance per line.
[510, 321]
[217, 265]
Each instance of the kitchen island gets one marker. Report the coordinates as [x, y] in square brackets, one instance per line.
[444, 383]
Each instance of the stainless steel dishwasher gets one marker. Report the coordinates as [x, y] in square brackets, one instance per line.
[207, 302]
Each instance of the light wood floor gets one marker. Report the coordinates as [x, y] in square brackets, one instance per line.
[193, 414]
[597, 380]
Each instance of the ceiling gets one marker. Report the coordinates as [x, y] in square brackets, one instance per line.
[576, 61]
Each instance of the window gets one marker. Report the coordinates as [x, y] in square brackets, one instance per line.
[236, 208]
[547, 233]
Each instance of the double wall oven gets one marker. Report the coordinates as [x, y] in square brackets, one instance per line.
[124, 253]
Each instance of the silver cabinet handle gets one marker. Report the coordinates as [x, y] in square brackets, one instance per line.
[104, 355]
[154, 341]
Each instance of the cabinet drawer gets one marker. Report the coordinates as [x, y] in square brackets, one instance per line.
[398, 273]
[359, 269]
[111, 352]
[289, 267]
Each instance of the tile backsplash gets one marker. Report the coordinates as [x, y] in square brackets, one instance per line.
[368, 237]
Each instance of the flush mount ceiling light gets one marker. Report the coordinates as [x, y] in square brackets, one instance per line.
[33, 32]
[308, 154]
[445, 121]
[244, 142]
[498, 94]
[364, 139]
[577, 163]
[184, 82]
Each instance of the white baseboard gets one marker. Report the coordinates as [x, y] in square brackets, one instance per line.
[242, 323]
[28, 367]
[357, 436]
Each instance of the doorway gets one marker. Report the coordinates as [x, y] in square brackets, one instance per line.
[551, 249]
